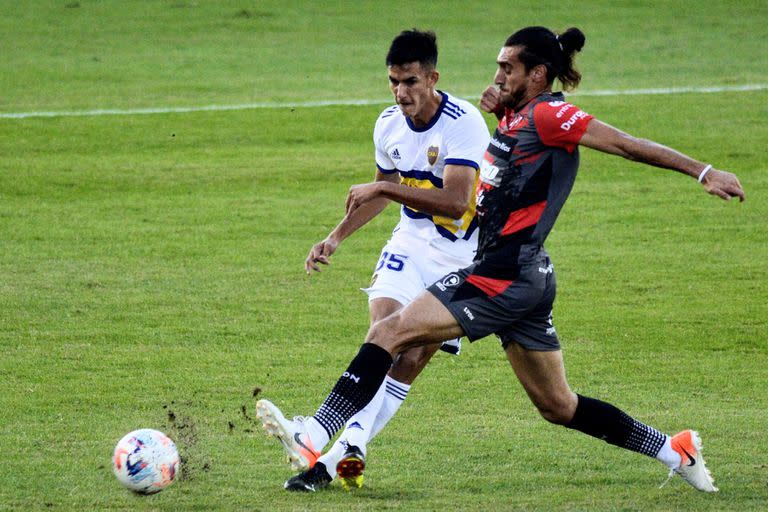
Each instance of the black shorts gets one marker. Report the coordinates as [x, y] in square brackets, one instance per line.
[518, 310]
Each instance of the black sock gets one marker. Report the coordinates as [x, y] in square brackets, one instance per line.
[355, 388]
[604, 421]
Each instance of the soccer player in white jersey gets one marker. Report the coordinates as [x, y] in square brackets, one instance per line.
[428, 150]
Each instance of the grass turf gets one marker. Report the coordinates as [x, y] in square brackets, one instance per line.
[151, 270]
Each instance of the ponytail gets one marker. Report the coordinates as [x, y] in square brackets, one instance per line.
[570, 41]
[556, 52]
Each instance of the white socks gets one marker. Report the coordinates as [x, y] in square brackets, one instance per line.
[364, 425]
[668, 455]
[317, 433]
[358, 429]
[396, 393]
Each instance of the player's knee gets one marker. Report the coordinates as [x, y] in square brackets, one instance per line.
[557, 410]
[388, 333]
[409, 364]
[552, 415]
[414, 358]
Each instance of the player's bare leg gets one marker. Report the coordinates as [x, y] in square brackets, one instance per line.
[409, 364]
[542, 375]
[425, 321]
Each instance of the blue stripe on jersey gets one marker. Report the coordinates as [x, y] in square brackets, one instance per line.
[440, 229]
[385, 171]
[454, 108]
[446, 234]
[389, 112]
[452, 115]
[471, 229]
[416, 215]
[423, 175]
[461, 161]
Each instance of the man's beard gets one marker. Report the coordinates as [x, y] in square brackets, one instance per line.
[515, 100]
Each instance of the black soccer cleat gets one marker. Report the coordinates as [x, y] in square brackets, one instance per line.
[311, 480]
[350, 468]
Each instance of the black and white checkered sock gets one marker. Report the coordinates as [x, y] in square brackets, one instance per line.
[604, 421]
[355, 388]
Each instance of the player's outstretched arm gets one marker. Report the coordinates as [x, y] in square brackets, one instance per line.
[321, 252]
[608, 139]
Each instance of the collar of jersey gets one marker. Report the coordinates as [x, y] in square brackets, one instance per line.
[434, 119]
[555, 96]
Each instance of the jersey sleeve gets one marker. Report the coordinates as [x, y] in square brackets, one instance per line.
[383, 162]
[560, 124]
[468, 139]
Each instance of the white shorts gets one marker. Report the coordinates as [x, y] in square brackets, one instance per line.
[406, 267]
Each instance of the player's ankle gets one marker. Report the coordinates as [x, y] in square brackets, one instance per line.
[317, 434]
[668, 455]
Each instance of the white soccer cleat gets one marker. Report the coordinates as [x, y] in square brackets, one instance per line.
[692, 468]
[292, 434]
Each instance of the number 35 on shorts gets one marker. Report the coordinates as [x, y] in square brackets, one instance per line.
[393, 261]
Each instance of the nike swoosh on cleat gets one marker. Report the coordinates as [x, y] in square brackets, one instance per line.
[297, 438]
[690, 457]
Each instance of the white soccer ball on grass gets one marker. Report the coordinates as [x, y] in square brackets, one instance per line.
[146, 461]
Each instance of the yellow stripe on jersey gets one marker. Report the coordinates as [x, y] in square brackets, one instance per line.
[457, 227]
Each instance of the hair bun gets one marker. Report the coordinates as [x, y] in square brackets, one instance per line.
[572, 40]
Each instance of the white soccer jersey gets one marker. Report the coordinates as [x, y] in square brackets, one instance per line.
[457, 135]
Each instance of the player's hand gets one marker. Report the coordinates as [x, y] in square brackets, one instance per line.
[490, 101]
[723, 184]
[361, 194]
[320, 253]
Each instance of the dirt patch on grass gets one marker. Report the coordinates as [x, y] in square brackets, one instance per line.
[182, 428]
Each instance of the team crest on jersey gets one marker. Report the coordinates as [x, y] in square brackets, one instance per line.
[449, 280]
[556, 103]
[514, 121]
[432, 152]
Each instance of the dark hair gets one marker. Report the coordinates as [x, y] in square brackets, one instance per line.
[413, 46]
[556, 52]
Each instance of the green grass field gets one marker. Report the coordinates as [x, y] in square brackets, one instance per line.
[151, 267]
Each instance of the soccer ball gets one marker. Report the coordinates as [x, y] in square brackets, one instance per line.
[145, 461]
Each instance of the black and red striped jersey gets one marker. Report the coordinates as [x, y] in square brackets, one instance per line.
[527, 174]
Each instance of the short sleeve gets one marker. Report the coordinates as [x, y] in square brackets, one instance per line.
[468, 139]
[560, 124]
[383, 162]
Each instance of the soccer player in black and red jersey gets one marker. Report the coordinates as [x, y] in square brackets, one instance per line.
[528, 172]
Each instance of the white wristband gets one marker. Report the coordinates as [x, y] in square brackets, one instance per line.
[704, 172]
